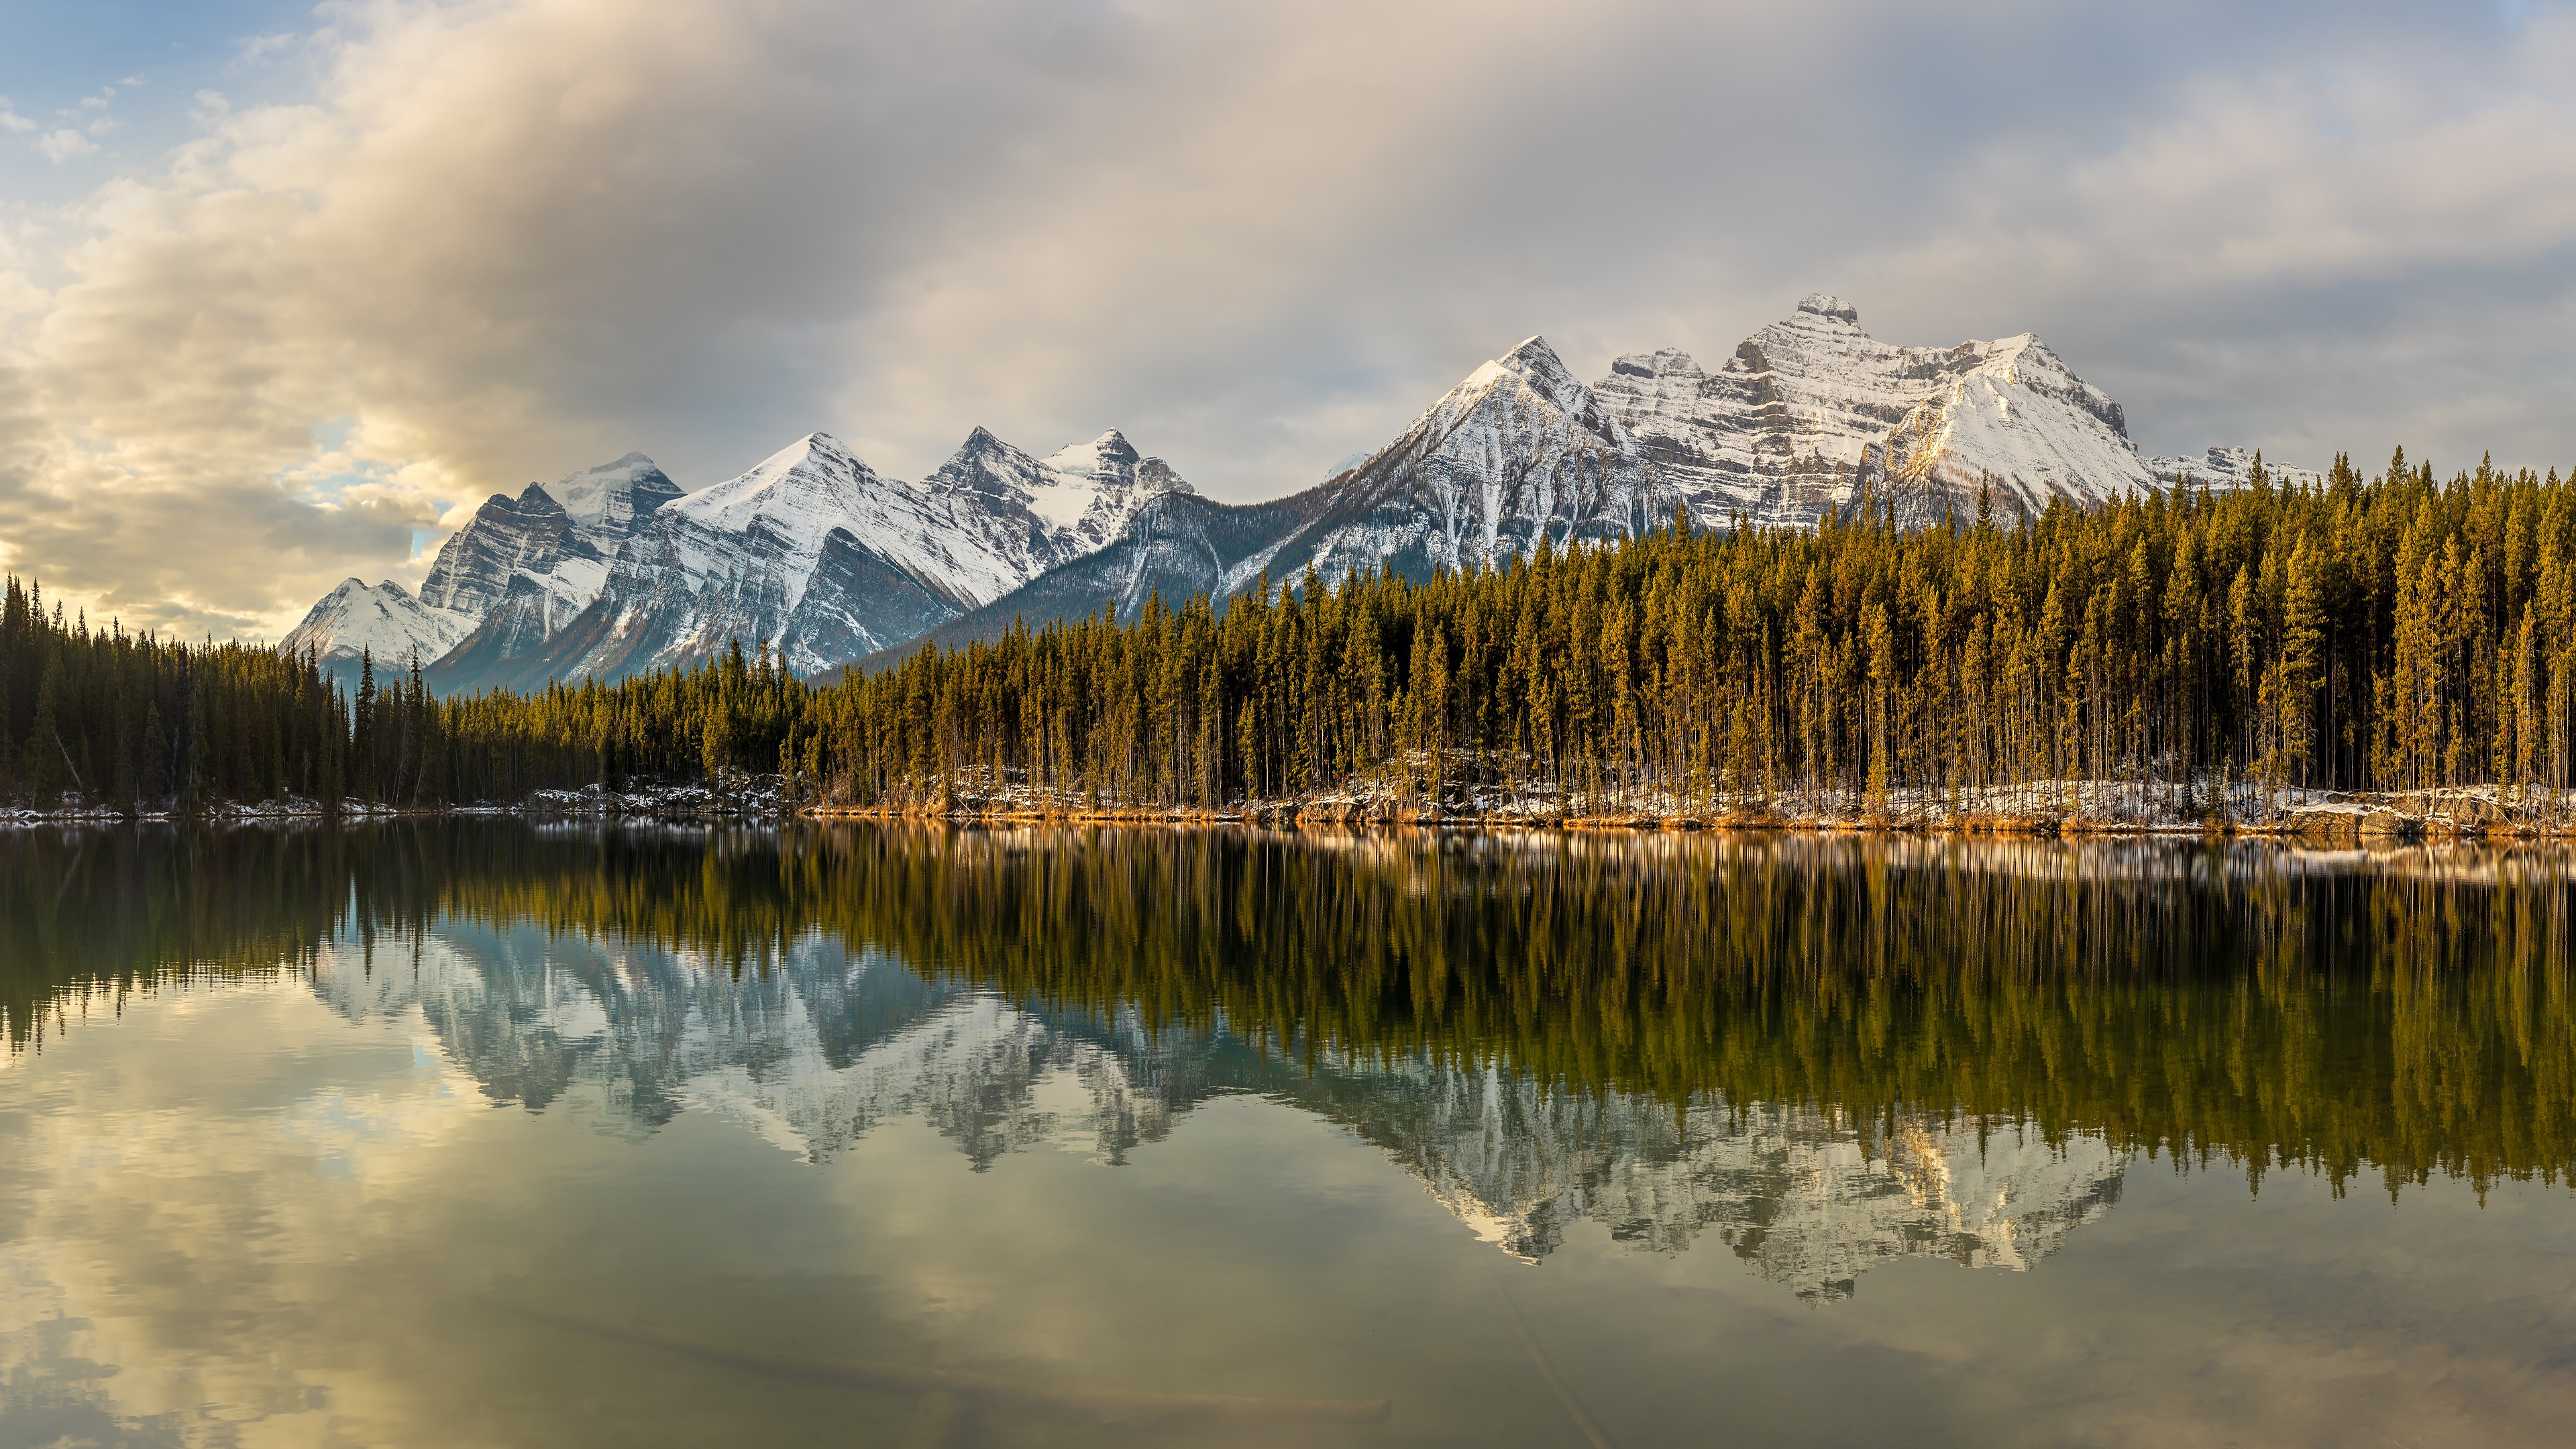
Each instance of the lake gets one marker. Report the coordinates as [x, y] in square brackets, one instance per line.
[458, 1133]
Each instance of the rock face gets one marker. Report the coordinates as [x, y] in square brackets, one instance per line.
[607, 503]
[520, 569]
[1811, 409]
[1087, 492]
[1518, 452]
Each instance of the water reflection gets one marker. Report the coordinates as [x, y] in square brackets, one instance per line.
[1824, 1054]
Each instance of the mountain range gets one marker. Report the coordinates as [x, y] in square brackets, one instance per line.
[616, 571]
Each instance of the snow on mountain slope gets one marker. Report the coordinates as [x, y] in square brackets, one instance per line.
[524, 568]
[607, 502]
[1090, 490]
[563, 548]
[1030, 515]
[1516, 452]
[826, 559]
[966, 532]
[1811, 407]
[1180, 545]
[528, 534]
[355, 620]
[2224, 468]
[2018, 423]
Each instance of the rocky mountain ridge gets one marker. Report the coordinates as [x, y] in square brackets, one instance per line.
[615, 570]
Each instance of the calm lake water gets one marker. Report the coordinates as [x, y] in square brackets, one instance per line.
[468, 1134]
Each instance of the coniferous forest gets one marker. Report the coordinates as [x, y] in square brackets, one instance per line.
[2391, 633]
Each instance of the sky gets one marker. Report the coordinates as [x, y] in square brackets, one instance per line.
[286, 291]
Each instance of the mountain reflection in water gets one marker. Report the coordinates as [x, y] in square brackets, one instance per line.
[1824, 1053]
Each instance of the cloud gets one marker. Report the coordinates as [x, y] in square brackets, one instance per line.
[507, 240]
[260, 47]
[65, 145]
[10, 120]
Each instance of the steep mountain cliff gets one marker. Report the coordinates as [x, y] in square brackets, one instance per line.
[517, 571]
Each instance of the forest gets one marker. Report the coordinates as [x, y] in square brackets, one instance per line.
[2388, 633]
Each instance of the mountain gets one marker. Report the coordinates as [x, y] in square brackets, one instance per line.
[2224, 468]
[1518, 451]
[607, 502]
[1811, 408]
[519, 569]
[355, 620]
[1091, 490]
[818, 554]
[613, 570]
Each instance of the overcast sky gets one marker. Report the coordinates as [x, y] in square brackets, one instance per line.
[286, 291]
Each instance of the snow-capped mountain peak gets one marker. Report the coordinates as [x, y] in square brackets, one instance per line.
[355, 620]
[1090, 490]
[530, 533]
[1829, 307]
[803, 490]
[606, 503]
[2224, 467]
[1810, 409]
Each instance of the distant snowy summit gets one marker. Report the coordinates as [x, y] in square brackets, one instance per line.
[614, 570]
[1811, 409]
[2229, 468]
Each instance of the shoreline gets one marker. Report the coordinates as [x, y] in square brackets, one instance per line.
[2346, 819]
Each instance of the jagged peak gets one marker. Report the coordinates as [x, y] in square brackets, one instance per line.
[1826, 304]
[1159, 477]
[1662, 362]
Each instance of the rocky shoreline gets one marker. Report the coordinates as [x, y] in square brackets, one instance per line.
[2090, 809]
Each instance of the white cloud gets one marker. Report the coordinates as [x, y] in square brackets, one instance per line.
[10, 120]
[65, 145]
[260, 47]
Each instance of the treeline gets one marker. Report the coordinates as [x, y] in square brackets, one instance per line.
[2390, 633]
[108, 716]
[2387, 633]
[134, 722]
